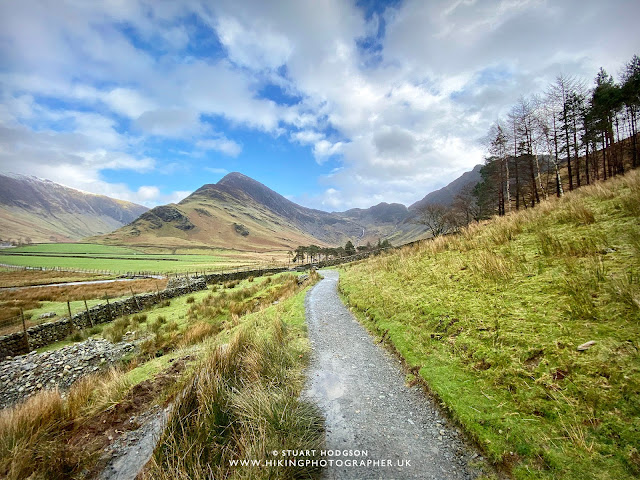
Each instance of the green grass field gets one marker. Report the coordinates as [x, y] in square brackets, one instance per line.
[73, 248]
[115, 259]
[491, 320]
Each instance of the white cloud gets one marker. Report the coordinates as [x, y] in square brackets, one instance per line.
[307, 137]
[324, 149]
[222, 145]
[169, 122]
[148, 192]
[176, 196]
[127, 102]
[398, 126]
[256, 47]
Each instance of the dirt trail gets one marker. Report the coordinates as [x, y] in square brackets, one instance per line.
[361, 390]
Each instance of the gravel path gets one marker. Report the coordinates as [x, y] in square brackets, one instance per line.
[368, 409]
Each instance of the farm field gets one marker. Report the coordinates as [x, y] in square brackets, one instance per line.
[121, 260]
[12, 277]
[52, 300]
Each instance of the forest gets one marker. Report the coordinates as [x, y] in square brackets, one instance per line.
[549, 143]
[566, 137]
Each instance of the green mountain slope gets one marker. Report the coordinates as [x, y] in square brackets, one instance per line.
[492, 320]
[241, 213]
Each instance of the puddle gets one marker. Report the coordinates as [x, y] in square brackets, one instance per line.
[327, 385]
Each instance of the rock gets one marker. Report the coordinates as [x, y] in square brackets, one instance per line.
[57, 368]
[48, 315]
[586, 346]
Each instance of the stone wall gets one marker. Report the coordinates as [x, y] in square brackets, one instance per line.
[48, 333]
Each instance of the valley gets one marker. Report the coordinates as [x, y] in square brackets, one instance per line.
[337, 240]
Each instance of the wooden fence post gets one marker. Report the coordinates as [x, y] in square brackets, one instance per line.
[24, 330]
[87, 309]
[135, 299]
[109, 308]
[71, 324]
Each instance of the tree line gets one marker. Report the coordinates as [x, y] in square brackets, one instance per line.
[568, 136]
[314, 253]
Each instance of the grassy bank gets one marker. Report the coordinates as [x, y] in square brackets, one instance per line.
[491, 320]
[49, 436]
[243, 403]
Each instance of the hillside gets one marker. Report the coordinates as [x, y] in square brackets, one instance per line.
[447, 194]
[239, 212]
[526, 327]
[44, 211]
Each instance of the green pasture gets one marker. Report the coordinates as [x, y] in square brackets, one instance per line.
[92, 257]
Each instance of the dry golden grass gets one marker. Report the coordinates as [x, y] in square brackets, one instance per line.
[198, 332]
[35, 435]
[242, 403]
[19, 278]
[11, 301]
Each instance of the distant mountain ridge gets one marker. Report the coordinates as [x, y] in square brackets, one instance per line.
[44, 211]
[240, 212]
[236, 212]
[446, 195]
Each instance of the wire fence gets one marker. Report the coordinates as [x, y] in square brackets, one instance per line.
[23, 321]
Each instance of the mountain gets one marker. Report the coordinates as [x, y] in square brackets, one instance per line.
[447, 194]
[385, 220]
[240, 212]
[44, 211]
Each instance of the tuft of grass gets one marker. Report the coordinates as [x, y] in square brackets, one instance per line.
[243, 402]
[36, 436]
[116, 329]
[575, 211]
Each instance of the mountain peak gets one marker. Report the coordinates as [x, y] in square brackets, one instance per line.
[235, 177]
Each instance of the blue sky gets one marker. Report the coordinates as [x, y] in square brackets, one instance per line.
[335, 104]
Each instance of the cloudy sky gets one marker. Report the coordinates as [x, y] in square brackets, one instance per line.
[333, 103]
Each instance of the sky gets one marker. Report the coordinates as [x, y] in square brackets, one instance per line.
[332, 103]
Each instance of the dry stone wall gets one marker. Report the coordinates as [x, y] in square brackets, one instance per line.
[50, 332]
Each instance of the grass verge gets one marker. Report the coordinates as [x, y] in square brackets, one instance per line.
[491, 320]
[54, 436]
[243, 402]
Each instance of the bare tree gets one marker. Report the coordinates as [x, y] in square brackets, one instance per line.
[497, 146]
[547, 133]
[558, 95]
[465, 206]
[437, 218]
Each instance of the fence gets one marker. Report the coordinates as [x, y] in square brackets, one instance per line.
[43, 334]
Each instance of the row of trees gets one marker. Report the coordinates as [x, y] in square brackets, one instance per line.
[314, 253]
[21, 241]
[567, 137]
